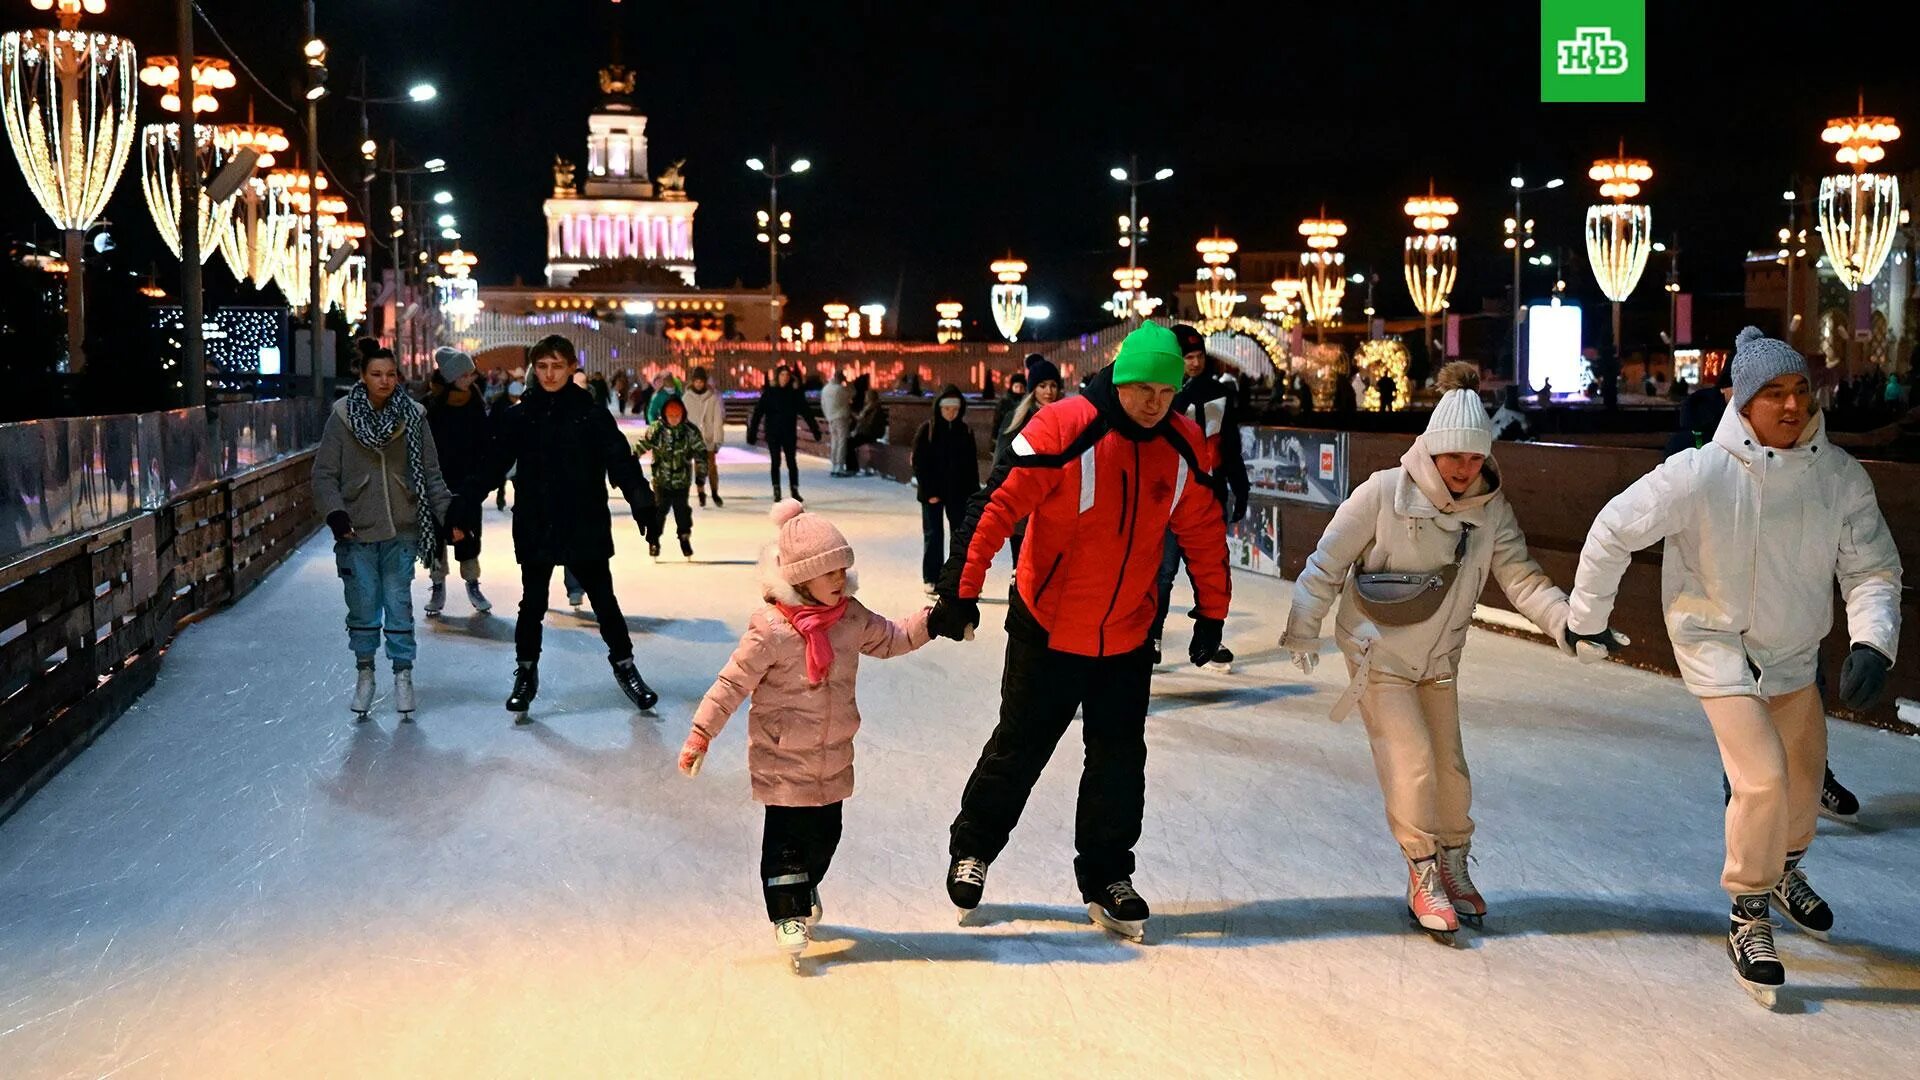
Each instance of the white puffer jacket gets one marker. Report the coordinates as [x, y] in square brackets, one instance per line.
[1404, 519]
[708, 414]
[836, 402]
[1755, 538]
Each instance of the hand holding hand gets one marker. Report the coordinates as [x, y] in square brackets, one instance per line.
[1863, 677]
[1304, 660]
[693, 753]
[1206, 640]
[1595, 648]
[341, 524]
[953, 618]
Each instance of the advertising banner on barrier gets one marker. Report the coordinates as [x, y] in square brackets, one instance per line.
[1296, 464]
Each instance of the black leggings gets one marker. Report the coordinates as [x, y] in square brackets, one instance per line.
[596, 580]
[774, 450]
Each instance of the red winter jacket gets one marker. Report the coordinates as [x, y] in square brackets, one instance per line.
[1100, 493]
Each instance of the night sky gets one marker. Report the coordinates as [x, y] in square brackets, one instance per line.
[940, 141]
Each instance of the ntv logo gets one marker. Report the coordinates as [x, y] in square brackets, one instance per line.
[1593, 50]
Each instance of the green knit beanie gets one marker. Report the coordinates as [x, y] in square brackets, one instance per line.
[1150, 354]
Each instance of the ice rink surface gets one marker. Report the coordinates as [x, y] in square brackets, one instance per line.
[238, 881]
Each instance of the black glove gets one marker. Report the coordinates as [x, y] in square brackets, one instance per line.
[1206, 640]
[1863, 677]
[341, 524]
[953, 618]
[1601, 645]
[1239, 509]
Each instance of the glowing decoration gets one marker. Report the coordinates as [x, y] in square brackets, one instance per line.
[1620, 233]
[255, 236]
[876, 318]
[458, 263]
[1388, 357]
[1009, 297]
[209, 74]
[263, 139]
[160, 182]
[1859, 211]
[1217, 294]
[836, 325]
[1130, 290]
[1322, 270]
[949, 327]
[1431, 261]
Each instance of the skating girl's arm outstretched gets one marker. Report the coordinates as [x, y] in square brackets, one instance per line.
[883, 637]
[1652, 509]
[731, 688]
[1346, 540]
[1532, 593]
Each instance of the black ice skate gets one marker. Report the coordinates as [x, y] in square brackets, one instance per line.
[966, 881]
[632, 685]
[653, 548]
[795, 490]
[718, 501]
[1795, 899]
[1750, 946]
[686, 546]
[1837, 803]
[1119, 909]
[526, 685]
[1222, 661]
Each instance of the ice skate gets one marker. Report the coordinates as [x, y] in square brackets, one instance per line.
[686, 547]
[793, 936]
[966, 881]
[403, 701]
[1837, 803]
[1120, 909]
[575, 598]
[635, 687]
[1750, 946]
[1155, 648]
[1222, 661]
[653, 549]
[477, 598]
[718, 502]
[814, 910]
[526, 685]
[436, 598]
[1427, 903]
[703, 496]
[1468, 905]
[1795, 899]
[362, 703]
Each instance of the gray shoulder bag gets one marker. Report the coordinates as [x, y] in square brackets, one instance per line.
[1400, 598]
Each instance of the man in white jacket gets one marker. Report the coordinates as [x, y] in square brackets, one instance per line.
[708, 414]
[1758, 525]
[836, 404]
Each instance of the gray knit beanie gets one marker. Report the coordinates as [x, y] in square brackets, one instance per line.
[452, 363]
[1758, 360]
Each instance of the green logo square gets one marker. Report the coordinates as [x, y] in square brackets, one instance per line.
[1593, 50]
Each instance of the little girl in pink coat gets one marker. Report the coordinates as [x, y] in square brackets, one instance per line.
[798, 662]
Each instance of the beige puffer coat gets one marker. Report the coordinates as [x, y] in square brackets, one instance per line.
[1404, 519]
[799, 736]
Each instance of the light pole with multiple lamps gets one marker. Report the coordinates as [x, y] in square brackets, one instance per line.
[1619, 233]
[1133, 227]
[1431, 260]
[774, 227]
[1322, 272]
[370, 153]
[1519, 236]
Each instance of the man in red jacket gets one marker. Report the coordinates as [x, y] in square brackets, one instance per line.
[1101, 477]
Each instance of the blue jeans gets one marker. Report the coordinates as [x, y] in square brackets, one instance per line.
[933, 555]
[378, 578]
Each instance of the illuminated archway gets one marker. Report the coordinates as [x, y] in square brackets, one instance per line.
[1270, 338]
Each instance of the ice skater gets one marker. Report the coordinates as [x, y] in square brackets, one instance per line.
[799, 662]
[708, 414]
[1408, 554]
[1759, 523]
[565, 448]
[782, 406]
[457, 416]
[675, 445]
[377, 483]
[1208, 400]
[1102, 476]
[946, 473]
[1043, 377]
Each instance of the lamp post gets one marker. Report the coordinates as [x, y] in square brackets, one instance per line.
[1431, 260]
[315, 52]
[67, 95]
[1793, 241]
[1216, 296]
[1322, 270]
[419, 93]
[1859, 211]
[1133, 227]
[1619, 233]
[1009, 297]
[1519, 237]
[774, 227]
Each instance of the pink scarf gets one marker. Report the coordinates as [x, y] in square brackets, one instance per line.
[813, 622]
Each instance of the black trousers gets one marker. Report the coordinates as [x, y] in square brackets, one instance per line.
[795, 850]
[774, 450]
[933, 545]
[1039, 692]
[854, 443]
[674, 499]
[596, 580]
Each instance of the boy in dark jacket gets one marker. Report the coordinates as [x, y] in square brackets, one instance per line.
[676, 445]
[946, 469]
[457, 416]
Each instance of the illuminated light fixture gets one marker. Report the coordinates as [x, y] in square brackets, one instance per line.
[458, 263]
[69, 11]
[423, 92]
[1322, 271]
[315, 50]
[315, 93]
[1859, 211]
[254, 238]
[209, 74]
[446, 221]
[876, 318]
[443, 198]
[370, 150]
[1430, 260]
[1619, 233]
[263, 139]
[948, 328]
[1009, 297]
[1217, 294]
[160, 152]
[1129, 288]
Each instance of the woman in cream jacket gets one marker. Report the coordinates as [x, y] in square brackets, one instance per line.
[1411, 519]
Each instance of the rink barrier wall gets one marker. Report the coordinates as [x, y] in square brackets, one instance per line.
[1556, 490]
[85, 622]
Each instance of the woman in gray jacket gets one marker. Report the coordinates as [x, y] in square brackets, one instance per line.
[376, 479]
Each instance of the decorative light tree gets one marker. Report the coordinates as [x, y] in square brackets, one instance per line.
[160, 152]
[1859, 211]
[836, 325]
[949, 327]
[68, 99]
[1619, 233]
[1009, 297]
[1217, 294]
[1129, 289]
[1431, 260]
[255, 237]
[1322, 271]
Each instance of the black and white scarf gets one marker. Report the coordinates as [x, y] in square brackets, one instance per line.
[374, 429]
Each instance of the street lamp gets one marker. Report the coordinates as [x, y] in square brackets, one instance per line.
[443, 198]
[1431, 260]
[1520, 237]
[772, 171]
[1619, 233]
[1129, 287]
[949, 327]
[1216, 296]
[1133, 227]
[1009, 297]
[1859, 211]
[1322, 270]
[68, 99]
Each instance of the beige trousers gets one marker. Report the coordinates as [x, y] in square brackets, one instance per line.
[1415, 732]
[1775, 754]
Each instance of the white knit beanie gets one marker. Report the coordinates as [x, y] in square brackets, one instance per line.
[1459, 425]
